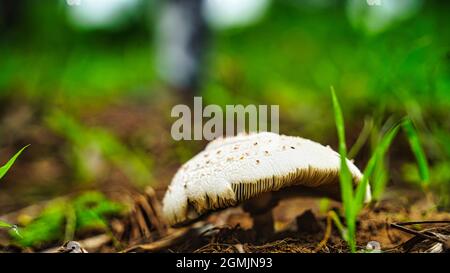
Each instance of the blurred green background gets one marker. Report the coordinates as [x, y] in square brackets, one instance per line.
[81, 82]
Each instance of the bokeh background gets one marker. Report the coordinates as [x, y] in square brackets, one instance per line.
[90, 84]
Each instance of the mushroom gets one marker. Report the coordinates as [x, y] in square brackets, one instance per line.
[255, 170]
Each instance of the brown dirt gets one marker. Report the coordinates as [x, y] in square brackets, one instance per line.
[301, 227]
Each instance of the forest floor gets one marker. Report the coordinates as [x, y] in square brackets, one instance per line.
[44, 173]
[301, 228]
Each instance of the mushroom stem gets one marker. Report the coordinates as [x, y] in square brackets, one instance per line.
[263, 224]
[260, 209]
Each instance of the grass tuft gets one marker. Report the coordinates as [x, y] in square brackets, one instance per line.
[353, 201]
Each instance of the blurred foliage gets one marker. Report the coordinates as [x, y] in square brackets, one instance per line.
[91, 147]
[46, 228]
[380, 175]
[324, 205]
[418, 152]
[77, 75]
[385, 67]
[438, 143]
[374, 19]
[293, 55]
[46, 57]
[439, 180]
[290, 58]
[91, 210]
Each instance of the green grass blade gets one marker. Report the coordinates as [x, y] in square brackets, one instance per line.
[416, 148]
[13, 228]
[337, 222]
[324, 205]
[379, 178]
[339, 120]
[362, 138]
[4, 169]
[379, 152]
[71, 222]
[345, 176]
[4, 224]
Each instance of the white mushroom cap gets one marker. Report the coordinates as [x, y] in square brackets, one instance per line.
[222, 141]
[232, 170]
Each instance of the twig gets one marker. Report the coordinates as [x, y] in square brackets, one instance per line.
[424, 235]
[165, 242]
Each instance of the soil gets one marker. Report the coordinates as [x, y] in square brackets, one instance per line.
[374, 224]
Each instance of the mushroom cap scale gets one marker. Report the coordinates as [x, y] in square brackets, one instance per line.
[232, 170]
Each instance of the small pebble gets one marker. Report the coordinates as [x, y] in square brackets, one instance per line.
[373, 246]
